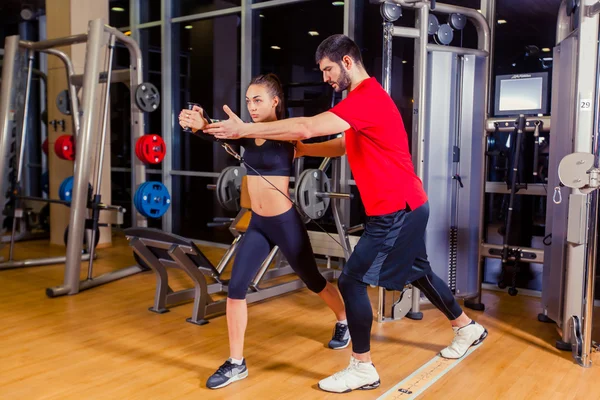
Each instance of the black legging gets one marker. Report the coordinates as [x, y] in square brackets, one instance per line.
[285, 230]
[360, 314]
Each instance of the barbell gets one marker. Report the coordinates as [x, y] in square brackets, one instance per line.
[312, 193]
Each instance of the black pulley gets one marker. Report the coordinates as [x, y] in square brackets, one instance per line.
[434, 25]
[390, 12]
[457, 21]
[85, 249]
[445, 34]
[147, 97]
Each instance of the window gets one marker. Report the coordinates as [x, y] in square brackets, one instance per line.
[119, 13]
[190, 7]
[149, 10]
[206, 70]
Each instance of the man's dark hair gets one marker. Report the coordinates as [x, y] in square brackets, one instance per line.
[335, 47]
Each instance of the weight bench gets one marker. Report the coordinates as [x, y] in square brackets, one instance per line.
[159, 250]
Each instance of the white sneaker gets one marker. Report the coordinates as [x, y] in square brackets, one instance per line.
[358, 375]
[465, 337]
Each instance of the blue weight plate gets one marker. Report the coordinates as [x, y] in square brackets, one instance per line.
[65, 190]
[152, 199]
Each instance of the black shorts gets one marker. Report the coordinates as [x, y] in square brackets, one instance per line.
[391, 252]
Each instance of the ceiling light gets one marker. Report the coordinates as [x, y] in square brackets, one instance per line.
[547, 58]
[546, 50]
[313, 33]
[514, 65]
[118, 9]
[337, 3]
[188, 27]
[276, 47]
[501, 21]
[404, 61]
[262, 15]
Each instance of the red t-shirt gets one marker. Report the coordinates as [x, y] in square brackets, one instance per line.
[378, 152]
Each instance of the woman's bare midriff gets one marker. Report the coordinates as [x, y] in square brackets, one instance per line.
[266, 201]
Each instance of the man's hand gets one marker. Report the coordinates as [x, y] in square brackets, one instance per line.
[192, 119]
[300, 149]
[228, 129]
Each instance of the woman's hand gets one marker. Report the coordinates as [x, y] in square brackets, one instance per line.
[192, 119]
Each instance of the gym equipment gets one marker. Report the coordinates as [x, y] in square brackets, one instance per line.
[65, 190]
[81, 206]
[581, 171]
[45, 146]
[513, 188]
[313, 193]
[434, 25]
[85, 249]
[444, 34]
[228, 188]
[161, 250]
[450, 103]
[152, 199]
[150, 149]
[64, 147]
[457, 21]
[147, 97]
[63, 102]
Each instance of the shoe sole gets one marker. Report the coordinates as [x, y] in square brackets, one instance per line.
[475, 343]
[236, 378]
[341, 347]
[369, 386]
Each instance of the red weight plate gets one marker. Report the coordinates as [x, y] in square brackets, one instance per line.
[152, 149]
[64, 147]
[45, 146]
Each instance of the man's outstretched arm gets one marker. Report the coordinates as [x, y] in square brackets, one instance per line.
[299, 128]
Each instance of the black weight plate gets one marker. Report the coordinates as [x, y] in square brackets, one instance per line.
[228, 188]
[147, 97]
[310, 182]
[62, 102]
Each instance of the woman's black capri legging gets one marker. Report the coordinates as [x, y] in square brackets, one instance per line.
[287, 231]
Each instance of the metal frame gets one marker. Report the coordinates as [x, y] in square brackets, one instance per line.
[204, 305]
[96, 39]
[422, 48]
[13, 43]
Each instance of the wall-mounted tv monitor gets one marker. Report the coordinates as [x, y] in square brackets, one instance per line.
[521, 94]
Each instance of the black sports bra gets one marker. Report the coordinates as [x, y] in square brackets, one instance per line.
[272, 158]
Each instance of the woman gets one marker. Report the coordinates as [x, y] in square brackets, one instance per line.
[274, 221]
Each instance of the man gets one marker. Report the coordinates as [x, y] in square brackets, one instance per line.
[391, 252]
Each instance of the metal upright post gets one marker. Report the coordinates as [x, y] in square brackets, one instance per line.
[82, 169]
[419, 110]
[167, 107]
[100, 159]
[18, 213]
[11, 47]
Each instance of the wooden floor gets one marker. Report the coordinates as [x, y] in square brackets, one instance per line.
[105, 344]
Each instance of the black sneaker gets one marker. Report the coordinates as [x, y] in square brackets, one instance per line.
[226, 374]
[341, 337]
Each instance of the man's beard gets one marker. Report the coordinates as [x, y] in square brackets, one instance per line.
[344, 82]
